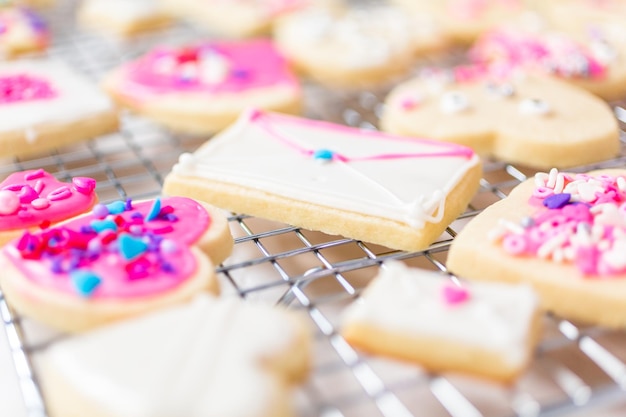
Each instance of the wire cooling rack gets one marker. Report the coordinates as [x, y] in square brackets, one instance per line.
[575, 368]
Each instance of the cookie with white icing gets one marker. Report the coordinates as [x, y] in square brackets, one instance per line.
[363, 46]
[121, 260]
[122, 17]
[487, 330]
[208, 357]
[203, 87]
[35, 199]
[593, 60]
[234, 18]
[533, 120]
[45, 105]
[564, 234]
[395, 191]
[22, 31]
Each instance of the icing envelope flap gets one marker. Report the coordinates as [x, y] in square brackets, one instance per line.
[399, 178]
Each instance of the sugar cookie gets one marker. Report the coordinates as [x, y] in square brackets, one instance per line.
[562, 233]
[45, 105]
[22, 31]
[203, 88]
[122, 17]
[357, 47]
[488, 330]
[121, 260]
[533, 120]
[35, 199]
[395, 191]
[208, 357]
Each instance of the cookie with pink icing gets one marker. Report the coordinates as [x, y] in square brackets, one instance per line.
[385, 189]
[565, 234]
[240, 359]
[22, 31]
[120, 260]
[528, 119]
[482, 329]
[203, 87]
[593, 60]
[44, 105]
[36, 199]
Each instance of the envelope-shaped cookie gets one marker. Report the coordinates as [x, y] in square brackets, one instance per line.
[537, 121]
[121, 260]
[208, 357]
[565, 234]
[395, 191]
[45, 104]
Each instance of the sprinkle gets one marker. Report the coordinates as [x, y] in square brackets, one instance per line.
[39, 186]
[40, 203]
[527, 222]
[168, 246]
[171, 218]
[27, 194]
[163, 230]
[453, 294]
[9, 202]
[84, 185]
[323, 155]
[33, 175]
[136, 216]
[137, 269]
[102, 225]
[168, 267]
[131, 247]
[116, 207]
[60, 193]
[515, 244]
[557, 201]
[154, 210]
[100, 211]
[85, 282]
[128, 205]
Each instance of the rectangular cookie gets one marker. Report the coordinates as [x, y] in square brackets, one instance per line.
[395, 191]
[485, 329]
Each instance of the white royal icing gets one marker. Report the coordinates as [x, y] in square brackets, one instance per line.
[204, 358]
[411, 190]
[127, 11]
[495, 317]
[77, 98]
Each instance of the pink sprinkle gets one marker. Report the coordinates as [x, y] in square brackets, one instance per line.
[162, 230]
[60, 193]
[40, 203]
[34, 175]
[84, 185]
[453, 294]
[408, 104]
[9, 202]
[542, 192]
[27, 194]
[39, 186]
[515, 244]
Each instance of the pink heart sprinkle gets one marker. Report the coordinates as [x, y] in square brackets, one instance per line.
[453, 294]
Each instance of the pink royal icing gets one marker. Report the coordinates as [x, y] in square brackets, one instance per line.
[136, 250]
[212, 67]
[36, 198]
[24, 87]
[579, 219]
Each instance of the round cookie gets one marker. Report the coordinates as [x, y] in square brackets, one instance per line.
[35, 199]
[355, 47]
[121, 260]
[533, 120]
[122, 17]
[564, 234]
[202, 88]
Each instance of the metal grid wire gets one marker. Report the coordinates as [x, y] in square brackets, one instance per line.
[575, 367]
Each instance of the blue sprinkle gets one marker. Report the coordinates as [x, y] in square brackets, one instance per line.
[323, 154]
[154, 210]
[102, 225]
[131, 247]
[116, 207]
[85, 282]
[557, 201]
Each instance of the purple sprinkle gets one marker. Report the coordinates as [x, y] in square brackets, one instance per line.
[240, 73]
[557, 201]
[136, 215]
[171, 218]
[56, 267]
[167, 267]
[86, 229]
[100, 211]
[128, 205]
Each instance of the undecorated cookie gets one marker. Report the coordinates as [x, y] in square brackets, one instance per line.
[395, 191]
[533, 120]
[123, 17]
[45, 105]
[487, 330]
[22, 31]
[203, 87]
[35, 199]
[563, 233]
[208, 357]
[121, 260]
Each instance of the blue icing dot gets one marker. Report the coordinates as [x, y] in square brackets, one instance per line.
[116, 207]
[557, 201]
[131, 247]
[102, 225]
[85, 282]
[154, 210]
[324, 154]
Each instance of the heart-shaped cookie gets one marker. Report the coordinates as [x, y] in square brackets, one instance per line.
[120, 260]
[208, 357]
[532, 120]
